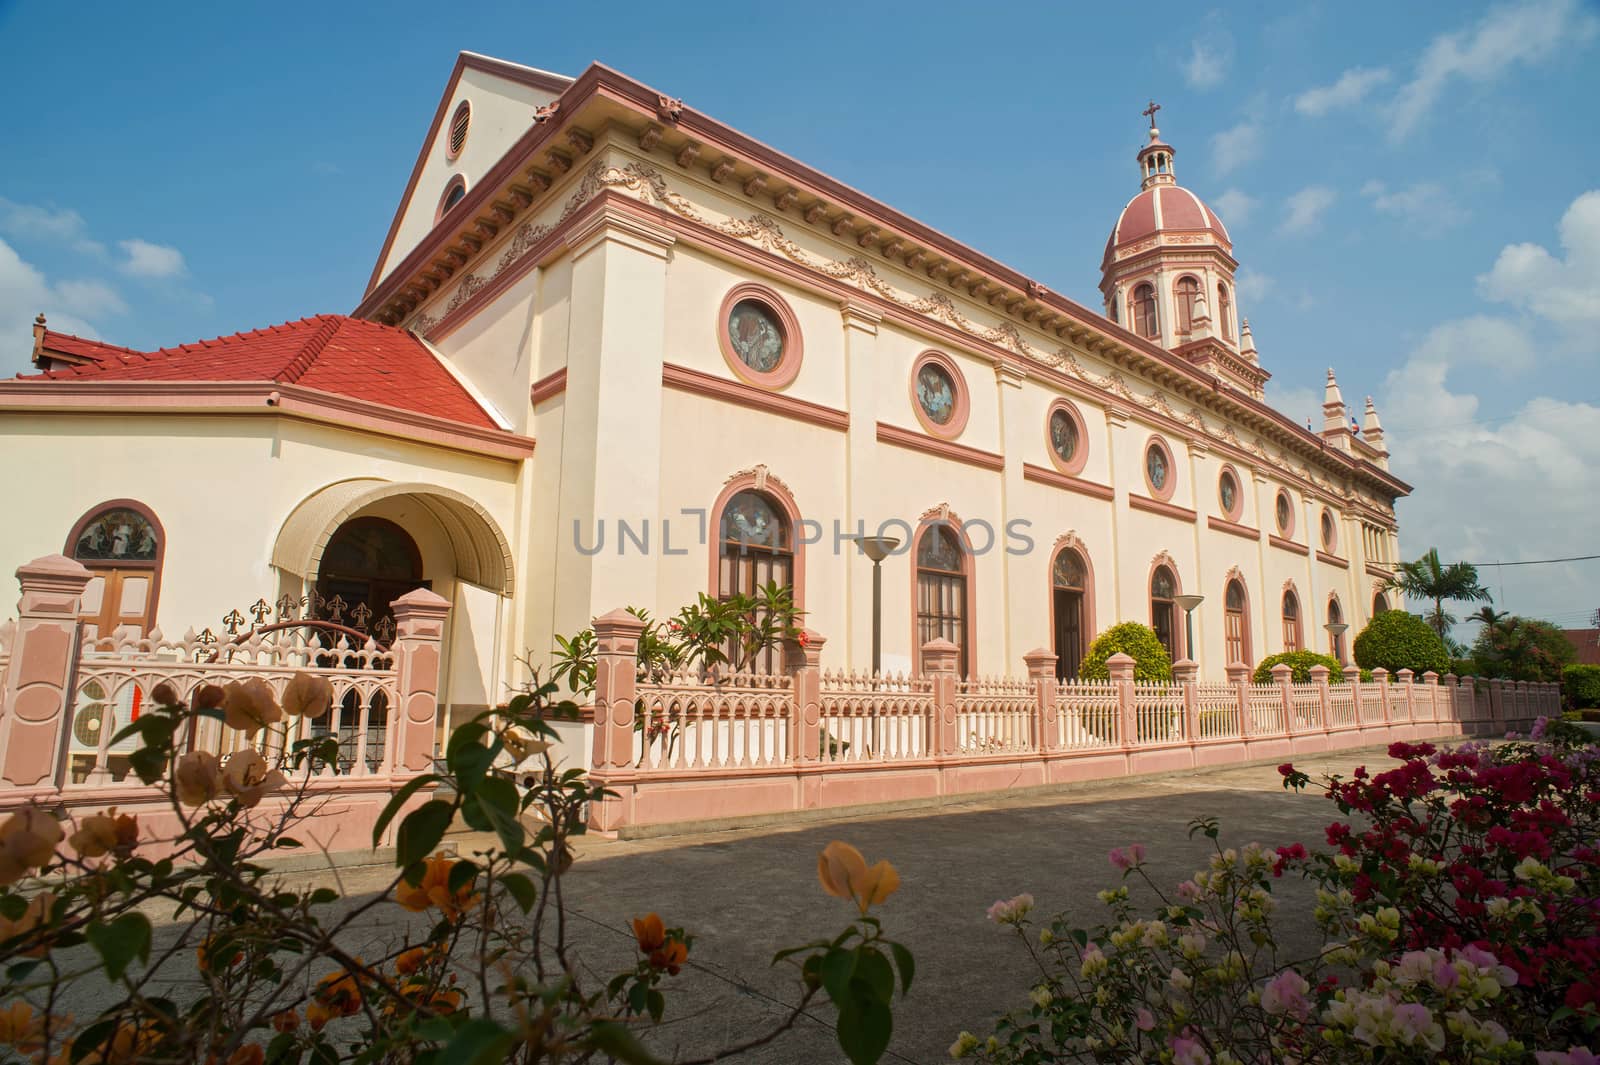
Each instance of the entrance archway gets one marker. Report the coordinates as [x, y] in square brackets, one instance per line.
[368, 564]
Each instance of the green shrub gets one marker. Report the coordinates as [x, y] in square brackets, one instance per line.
[1300, 662]
[1582, 685]
[1150, 659]
[1517, 648]
[1466, 667]
[1395, 640]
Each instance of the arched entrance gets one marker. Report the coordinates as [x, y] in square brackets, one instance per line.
[368, 564]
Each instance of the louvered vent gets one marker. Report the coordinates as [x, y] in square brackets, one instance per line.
[458, 127]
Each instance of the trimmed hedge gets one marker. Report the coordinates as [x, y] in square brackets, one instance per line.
[1582, 685]
[1396, 640]
[1150, 659]
[1300, 662]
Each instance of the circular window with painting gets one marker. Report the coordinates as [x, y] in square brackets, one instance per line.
[759, 336]
[1160, 472]
[1065, 435]
[1228, 494]
[1284, 511]
[939, 394]
[1330, 531]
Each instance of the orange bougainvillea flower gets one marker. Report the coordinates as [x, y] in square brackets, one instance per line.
[37, 913]
[662, 949]
[100, 834]
[844, 874]
[249, 1054]
[336, 995]
[28, 840]
[20, 1027]
[434, 890]
[650, 932]
[670, 956]
[287, 1021]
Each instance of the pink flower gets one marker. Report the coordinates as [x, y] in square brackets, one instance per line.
[1571, 1056]
[1186, 1051]
[1286, 994]
[1189, 891]
[1011, 911]
[1127, 859]
[1144, 1020]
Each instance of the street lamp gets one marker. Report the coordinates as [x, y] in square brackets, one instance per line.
[877, 548]
[1188, 603]
[1336, 630]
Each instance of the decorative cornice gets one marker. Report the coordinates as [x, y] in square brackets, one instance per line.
[946, 449]
[1381, 572]
[1057, 479]
[548, 387]
[1158, 506]
[1333, 560]
[740, 394]
[1287, 545]
[1233, 529]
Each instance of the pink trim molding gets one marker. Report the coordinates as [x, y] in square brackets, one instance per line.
[548, 387]
[1055, 479]
[740, 394]
[1333, 560]
[1157, 506]
[963, 399]
[1288, 545]
[793, 344]
[1233, 530]
[456, 181]
[945, 449]
[1079, 456]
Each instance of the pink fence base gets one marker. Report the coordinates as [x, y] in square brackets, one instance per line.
[697, 749]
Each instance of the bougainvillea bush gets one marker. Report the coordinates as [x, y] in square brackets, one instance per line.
[120, 944]
[1458, 904]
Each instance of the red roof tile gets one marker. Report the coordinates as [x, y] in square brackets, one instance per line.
[82, 347]
[1587, 643]
[330, 352]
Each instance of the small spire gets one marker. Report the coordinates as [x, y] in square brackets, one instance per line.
[1333, 411]
[38, 340]
[1372, 433]
[1247, 342]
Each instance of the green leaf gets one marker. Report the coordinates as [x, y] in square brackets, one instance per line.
[838, 966]
[119, 941]
[865, 1025]
[478, 1042]
[874, 971]
[618, 1041]
[422, 830]
[461, 874]
[906, 964]
[389, 811]
[466, 754]
[657, 1004]
[521, 889]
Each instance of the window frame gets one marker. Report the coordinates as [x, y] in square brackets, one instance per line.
[1237, 512]
[155, 567]
[1144, 313]
[1087, 629]
[1247, 654]
[782, 375]
[452, 151]
[1293, 629]
[1080, 455]
[1165, 493]
[962, 398]
[457, 181]
[967, 660]
[1183, 302]
[1285, 527]
[1164, 562]
[1329, 531]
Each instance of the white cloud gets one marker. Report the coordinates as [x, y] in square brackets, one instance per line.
[1236, 147]
[57, 225]
[1525, 33]
[1304, 210]
[1426, 206]
[149, 260]
[1297, 403]
[1234, 207]
[1351, 88]
[1208, 62]
[1251, 285]
[1566, 290]
[25, 292]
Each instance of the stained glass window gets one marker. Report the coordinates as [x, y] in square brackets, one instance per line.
[748, 520]
[1162, 585]
[940, 550]
[942, 592]
[1285, 513]
[1328, 531]
[756, 335]
[119, 535]
[936, 393]
[1228, 492]
[1068, 571]
[1063, 434]
[1155, 464]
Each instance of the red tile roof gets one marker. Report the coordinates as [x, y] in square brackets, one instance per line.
[1587, 643]
[330, 352]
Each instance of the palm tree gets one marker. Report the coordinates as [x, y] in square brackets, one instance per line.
[1489, 617]
[1427, 578]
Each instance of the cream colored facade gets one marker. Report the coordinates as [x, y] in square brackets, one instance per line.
[579, 289]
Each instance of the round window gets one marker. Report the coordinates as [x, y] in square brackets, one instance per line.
[1155, 467]
[1285, 514]
[936, 393]
[756, 335]
[1063, 435]
[1228, 493]
[1329, 531]
[458, 127]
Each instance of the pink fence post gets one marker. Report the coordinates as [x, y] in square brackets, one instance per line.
[1186, 671]
[419, 617]
[1120, 666]
[1042, 672]
[1408, 693]
[1352, 677]
[1239, 677]
[1452, 699]
[38, 695]
[803, 659]
[939, 666]
[1497, 704]
[1380, 677]
[1319, 677]
[1430, 686]
[1281, 676]
[616, 675]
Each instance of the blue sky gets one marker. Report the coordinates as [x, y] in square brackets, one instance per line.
[1405, 184]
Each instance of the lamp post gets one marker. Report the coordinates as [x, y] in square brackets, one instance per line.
[1336, 630]
[1188, 603]
[877, 548]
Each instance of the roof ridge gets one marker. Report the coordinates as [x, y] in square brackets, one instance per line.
[91, 340]
[296, 367]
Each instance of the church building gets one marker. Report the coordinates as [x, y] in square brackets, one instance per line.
[614, 352]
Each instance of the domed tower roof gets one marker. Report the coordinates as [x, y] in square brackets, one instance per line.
[1162, 206]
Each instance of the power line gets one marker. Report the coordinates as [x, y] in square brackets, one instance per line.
[1535, 562]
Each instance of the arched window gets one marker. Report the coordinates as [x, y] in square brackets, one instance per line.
[1291, 621]
[1380, 603]
[1143, 307]
[1236, 631]
[1164, 609]
[122, 545]
[1069, 584]
[942, 598]
[1187, 293]
[368, 564]
[454, 192]
[1224, 310]
[1336, 639]
[1113, 311]
[756, 547]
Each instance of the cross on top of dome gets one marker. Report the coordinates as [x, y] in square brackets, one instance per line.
[1155, 158]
